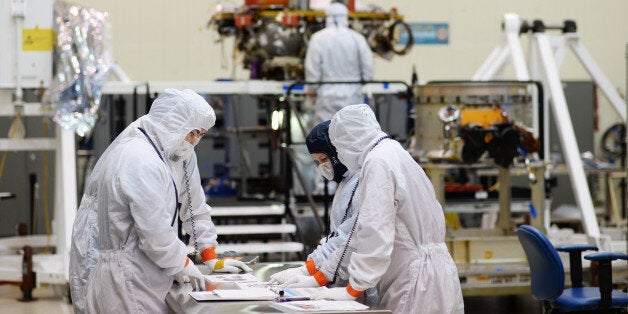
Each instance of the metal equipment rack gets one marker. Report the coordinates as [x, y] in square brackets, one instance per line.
[544, 64]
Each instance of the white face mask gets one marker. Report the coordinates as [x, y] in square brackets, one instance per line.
[184, 151]
[196, 140]
[326, 170]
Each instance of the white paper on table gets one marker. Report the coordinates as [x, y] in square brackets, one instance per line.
[234, 295]
[248, 294]
[232, 278]
[322, 305]
[203, 295]
[261, 284]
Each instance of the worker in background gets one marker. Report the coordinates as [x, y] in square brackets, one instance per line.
[400, 229]
[335, 53]
[331, 257]
[125, 250]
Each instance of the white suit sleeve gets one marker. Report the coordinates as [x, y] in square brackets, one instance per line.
[326, 250]
[335, 245]
[328, 267]
[146, 186]
[375, 229]
[197, 221]
[313, 63]
[366, 59]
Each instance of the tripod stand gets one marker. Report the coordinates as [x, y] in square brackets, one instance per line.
[543, 64]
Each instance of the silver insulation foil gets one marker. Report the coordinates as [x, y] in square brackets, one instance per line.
[82, 63]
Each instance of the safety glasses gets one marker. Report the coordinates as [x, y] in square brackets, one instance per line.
[198, 134]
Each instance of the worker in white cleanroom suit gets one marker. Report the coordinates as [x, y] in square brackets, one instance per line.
[400, 230]
[337, 53]
[342, 213]
[125, 250]
[327, 264]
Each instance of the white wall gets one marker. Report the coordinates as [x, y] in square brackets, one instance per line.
[168, 40]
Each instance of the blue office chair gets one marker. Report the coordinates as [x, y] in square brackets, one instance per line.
[547, 276]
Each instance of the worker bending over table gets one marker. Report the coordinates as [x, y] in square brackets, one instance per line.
[125, 250]
[400, 226]
[331, 257]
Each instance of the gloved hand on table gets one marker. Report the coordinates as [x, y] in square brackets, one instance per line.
[191, 273]
[285, 275]
[340, 294]
[300, 281]
[227, 266]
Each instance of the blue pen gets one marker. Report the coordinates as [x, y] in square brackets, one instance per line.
[288, 299]
[284, 299]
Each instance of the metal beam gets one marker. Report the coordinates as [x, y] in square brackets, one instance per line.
[28, 144]
[567, 137]
[600, 79]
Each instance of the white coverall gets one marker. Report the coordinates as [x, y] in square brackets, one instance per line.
[340, 229]
[400, 232]
[337, 53]
[327, 256]
[125, 249]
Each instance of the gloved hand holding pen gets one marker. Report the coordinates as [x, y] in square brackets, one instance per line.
[227, 266]
[317, 278]
[301, 281]
[210, 259]
[285, 275]
[282, 277]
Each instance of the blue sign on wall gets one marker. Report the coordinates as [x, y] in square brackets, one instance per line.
[427, 34]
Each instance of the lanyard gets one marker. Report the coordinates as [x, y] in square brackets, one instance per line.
[333, 234]
[176, 192]
[344, 251]
[379, 141]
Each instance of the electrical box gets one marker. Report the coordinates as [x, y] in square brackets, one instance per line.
[485, 249]
[35, 43]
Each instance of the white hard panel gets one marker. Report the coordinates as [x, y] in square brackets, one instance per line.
[35, 66]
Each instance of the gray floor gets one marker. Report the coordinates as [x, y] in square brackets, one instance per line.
[511, 304]
[49, 302]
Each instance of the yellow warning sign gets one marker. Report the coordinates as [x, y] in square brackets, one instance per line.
[37, 39]
[452, 221]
